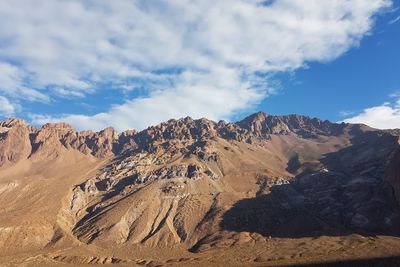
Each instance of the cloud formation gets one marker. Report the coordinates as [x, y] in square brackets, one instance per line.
[197, 58]
[395, 20]
[385, 116]
[6, 108]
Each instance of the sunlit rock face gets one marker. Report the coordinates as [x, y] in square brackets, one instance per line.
[196, 184]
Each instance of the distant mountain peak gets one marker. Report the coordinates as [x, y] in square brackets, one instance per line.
[258, 116]
[58, 125]
[262, 124]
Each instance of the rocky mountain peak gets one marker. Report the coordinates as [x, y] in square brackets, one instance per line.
[11, 122]
[255, 123]
[108, 133]
[181, 129]
[54, 138]
[304, 126]
[258, 116]
[262, 124]
[14, 141]
[58, 125]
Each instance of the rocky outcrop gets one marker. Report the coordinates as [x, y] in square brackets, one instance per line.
[20, 141]
[262, 124]
[14, 141]
[52, 138]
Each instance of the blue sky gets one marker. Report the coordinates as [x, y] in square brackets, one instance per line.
[365, 76]
[131, 64]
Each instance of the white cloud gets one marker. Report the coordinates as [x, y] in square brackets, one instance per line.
[195, 94]
[70, 48]
[346, 113]
[6, 108]
[12, 83]
[396, 19]
[385, 116]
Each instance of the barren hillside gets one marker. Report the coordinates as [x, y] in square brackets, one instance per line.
[266, 190]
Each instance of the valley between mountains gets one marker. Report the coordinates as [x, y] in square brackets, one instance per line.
[263, 191]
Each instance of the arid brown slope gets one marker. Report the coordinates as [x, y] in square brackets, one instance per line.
[196, 186]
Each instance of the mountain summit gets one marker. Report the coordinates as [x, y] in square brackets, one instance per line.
[201, 189]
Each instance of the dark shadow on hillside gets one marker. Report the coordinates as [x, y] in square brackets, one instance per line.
[346, 196]
[366, 156]
[324, 203]
[376, 262]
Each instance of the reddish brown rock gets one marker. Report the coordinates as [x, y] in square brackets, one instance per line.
[14, 141]
[194, 185]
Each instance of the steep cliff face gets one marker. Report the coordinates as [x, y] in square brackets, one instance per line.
[14, 141]
[196, 184]
[20, 141]
[262, 124]
[392, 175]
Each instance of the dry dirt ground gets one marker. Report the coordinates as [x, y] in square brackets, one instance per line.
[271, 252]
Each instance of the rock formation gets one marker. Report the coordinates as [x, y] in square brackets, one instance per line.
[195, 185]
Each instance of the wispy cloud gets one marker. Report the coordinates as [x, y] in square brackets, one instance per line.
[346, 113]
[396, 94]
[393, 21]
[385, 116]
[198, 58]
[6, 108]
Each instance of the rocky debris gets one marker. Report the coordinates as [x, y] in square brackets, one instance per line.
[211, 174]
[91, 187]
[142, 165]
[141, 174]
[129, 172]
[270, 181]
[88, 260]
[265, 183]
[205, 152]
[193, 171]
[169, 172]
[172, 188]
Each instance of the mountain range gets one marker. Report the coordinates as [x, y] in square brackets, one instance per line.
[266, 190]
